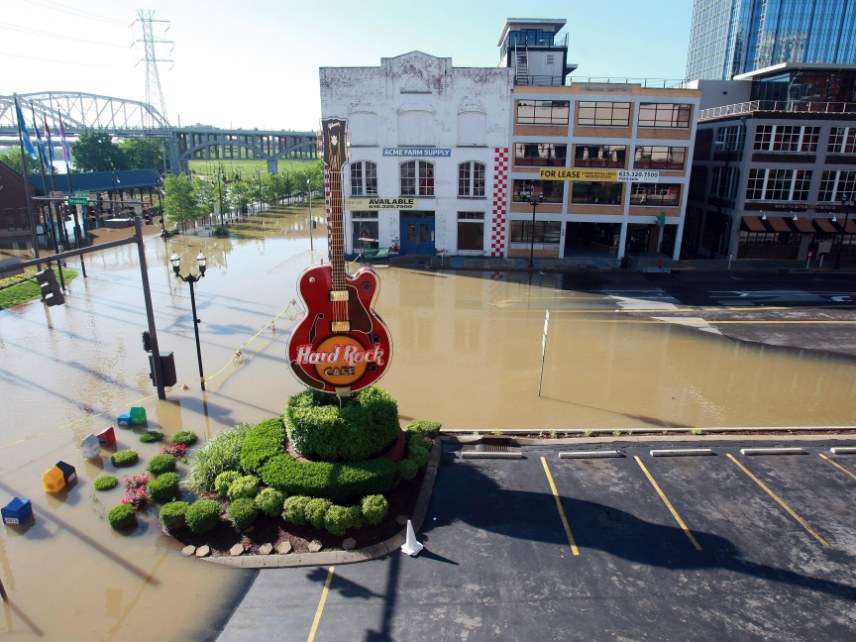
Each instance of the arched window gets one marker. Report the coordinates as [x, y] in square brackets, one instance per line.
[417, 178]
[363, 178]
[471, 180]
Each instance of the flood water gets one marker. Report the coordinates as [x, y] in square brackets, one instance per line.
[467, 350]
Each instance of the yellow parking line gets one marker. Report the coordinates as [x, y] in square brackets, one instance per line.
[574, 550]
[840, 467]
[321, 602]
[669, 505]
[781, 502]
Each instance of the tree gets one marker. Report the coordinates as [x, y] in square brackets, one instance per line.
[180, 200]
[95, 151]
[142, 153]
[12, 158]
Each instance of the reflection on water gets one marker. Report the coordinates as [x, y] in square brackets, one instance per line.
[466, 352]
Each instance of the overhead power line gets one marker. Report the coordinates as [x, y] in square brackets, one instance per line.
[54, 61]
[61, 36]
[51, 5]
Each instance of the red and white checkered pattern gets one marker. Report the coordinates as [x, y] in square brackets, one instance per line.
[500, 193]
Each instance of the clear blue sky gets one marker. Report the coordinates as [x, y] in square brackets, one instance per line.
[255, 63]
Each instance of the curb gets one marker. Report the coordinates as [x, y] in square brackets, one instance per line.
[773, 451]
[843, 450]
[590, 454]
[327, 558]
[681, 452]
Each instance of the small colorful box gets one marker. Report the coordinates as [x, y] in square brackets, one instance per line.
[124, 419]
[138, 416]
[107, 437]
[69, 473]
[53, 480]
[18, 511]
[90, 446]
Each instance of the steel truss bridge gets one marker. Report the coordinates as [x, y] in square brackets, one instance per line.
[125, 118]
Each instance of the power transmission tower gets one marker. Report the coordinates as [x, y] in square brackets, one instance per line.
[147, 20]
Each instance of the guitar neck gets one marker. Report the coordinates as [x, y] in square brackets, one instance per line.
[337, 235]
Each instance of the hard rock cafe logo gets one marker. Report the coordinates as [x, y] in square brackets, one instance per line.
[339, 360]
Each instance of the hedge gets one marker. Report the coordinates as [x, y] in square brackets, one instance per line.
[374, 508]
[122, 517]
[151, 436]
[123, 458]
[202, 515]
[106, 482]
[262, 442]
[293, 509]
[408, 469]
[242, 512]
[219, 454]
[164, 487]
[424, 427]
[269, 501]
[172, 515]
[338, 519]
[246, 487]
[363, 427]
[161, 464]
[185, 437]
[224, 480]
[325, 479]
[315, 510]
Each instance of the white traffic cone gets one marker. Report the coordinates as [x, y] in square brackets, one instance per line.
[411, 545]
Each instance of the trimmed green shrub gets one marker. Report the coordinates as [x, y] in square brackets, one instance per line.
[363, 427]
[355, 514]
[418, 450]
[106, 482]
[186, 437]
[269, 501]
[151, 436]
[246, 486]
[224, 480]
[315, 510]
[337, 482]
[202, 515]
[408, 469]
[122, 517]
[374, 508]
[262, 442]
[337, 520]
[219, 454]
[164, 487]
[172, 515]
[124, 458]
[161, 464]
[242, 512]
[424, 427]
[294, 509]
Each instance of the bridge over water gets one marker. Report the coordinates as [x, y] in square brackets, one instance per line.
[126, 118]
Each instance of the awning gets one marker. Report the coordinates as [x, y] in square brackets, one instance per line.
[778, 224]
[804, 225]
[825, 225]
[754, 224]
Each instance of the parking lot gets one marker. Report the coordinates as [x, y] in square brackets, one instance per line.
[719, 546]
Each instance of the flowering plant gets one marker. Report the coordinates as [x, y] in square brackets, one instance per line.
[179, 451]
[135, 491]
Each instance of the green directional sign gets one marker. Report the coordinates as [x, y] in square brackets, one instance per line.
[78, 199]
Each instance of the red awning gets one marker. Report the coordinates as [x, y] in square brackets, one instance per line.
[754, 224]
[804, 225]
[778, 224]
[826, 225]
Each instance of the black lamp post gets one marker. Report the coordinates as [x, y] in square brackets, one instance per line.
[849, 203]
[534, 200]
[191, 278]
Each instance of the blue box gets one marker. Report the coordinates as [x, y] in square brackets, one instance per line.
[124, 419]
[18, 511]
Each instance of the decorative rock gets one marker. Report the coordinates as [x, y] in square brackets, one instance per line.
[401, 520]
[315, 546]
[203, 551]
[265, 549]
[236, 550]
[283, 548]
[349, 544]
[189, 550]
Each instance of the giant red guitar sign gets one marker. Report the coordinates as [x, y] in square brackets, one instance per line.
[341, 345]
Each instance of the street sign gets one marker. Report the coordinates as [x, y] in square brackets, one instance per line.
[79, 198]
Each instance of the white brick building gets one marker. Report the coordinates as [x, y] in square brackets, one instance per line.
[424, 130]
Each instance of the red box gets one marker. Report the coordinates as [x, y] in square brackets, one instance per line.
[107, 437]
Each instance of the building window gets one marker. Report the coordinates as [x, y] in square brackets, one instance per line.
[724, 181]
[363, 179]
[552, 190]
[540, 154]
[842, 140]
[786, 138]
[471, 231]
[545, 231]
[778, 184]
[596, 193]
[471, 180]
[417, 178]
[729, 139]
[659, 157]
[549, 58]
[655, 194]
[670, 115]
[835, 186]
[603, 114]
[365, 230]
[542, 112]
[599, 155]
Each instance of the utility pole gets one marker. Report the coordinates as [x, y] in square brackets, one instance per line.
[147, 20]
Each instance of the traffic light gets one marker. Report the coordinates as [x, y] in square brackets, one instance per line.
[147, 341]
[51, 293]
[167, 368]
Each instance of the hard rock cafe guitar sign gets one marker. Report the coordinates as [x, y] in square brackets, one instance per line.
[341, 345]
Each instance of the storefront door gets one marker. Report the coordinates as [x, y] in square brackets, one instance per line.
[417, 232]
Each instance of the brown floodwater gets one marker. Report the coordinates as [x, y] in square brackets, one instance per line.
[466, 352]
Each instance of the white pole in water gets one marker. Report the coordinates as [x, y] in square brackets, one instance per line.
[544, 348]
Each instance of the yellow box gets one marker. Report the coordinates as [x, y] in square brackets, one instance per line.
[53, 480]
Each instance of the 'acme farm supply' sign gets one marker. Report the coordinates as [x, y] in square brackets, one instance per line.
[418, 152]
[599, 175]
[380, 204]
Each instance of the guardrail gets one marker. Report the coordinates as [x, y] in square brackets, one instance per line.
[651, 83]
[786, 106]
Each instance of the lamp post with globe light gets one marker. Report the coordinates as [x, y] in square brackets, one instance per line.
[191, 278]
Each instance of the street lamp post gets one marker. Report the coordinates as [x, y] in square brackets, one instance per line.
[849, 203]
[190, 279]
[309, 191]
[534, 200]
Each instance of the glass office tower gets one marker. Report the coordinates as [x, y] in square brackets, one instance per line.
[732, 37]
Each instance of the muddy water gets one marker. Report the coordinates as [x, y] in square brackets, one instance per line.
[467, 352]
